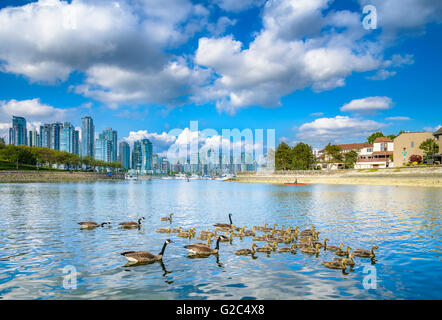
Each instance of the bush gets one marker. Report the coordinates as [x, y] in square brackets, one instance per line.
[415, 159]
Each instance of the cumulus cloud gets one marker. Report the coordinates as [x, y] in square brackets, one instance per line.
[368, 105]
[237, 6]
[337, 130]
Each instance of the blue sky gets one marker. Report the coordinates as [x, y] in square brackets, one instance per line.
[307, 68]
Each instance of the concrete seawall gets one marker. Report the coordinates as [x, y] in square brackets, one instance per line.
[421, 177]
[54, 176]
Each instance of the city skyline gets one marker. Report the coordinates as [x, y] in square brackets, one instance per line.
[327, 81]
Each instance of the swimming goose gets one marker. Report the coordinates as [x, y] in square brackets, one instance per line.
[350, 260]
[132, 224]
[250, 233]
[287, 249]
[203, 250]
[308, 232]
[163, 230]
[176, 230]
[321, 245]
[169, 218]
[225, 225]
[268, 248]
[145, 256]
[334, 248]
[341, 265]
[91, 224]
[363, 253]
[245, 252]
[342, 253]
[310, 250]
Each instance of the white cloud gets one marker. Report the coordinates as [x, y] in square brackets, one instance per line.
[237, 6]
[398, 118]
[368, 105]
[433, 129]
[337, 130]
[316, 114]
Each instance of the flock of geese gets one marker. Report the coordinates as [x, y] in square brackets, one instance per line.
[284, 240]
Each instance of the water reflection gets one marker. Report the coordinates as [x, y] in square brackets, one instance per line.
[39, 236]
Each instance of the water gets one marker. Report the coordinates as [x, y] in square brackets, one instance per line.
[39, 238]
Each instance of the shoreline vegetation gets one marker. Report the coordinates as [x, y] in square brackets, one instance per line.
[406, 176]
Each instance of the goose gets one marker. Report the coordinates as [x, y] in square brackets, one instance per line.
[321, 245]
[163, 230]
[250, 233]
[363, 253]
[268, 248]
[225, 225]
[350, 260]
[91, 224]
[341, 265]
[209, 242]
[259, 228]
[287, 249]
[145, 256]
[205, 232]
[186, 233]
[310, 250]
[132, 224]
[203, 250]
[176, 230]
[245, 252]
[308, 232]
[260, 238]
[334, 248]
[342, 253]
[205, 236]
[169, 218]
[270, 229]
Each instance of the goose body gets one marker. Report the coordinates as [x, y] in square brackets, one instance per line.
[163, 230]
[169, 218]
[340, 265]
[334, 248]
[342, 253]
[198, 249]
[245, 252]
[287, 249]
[350, 260]
[310, 250]
[145, 256]
[132, 224]
[363, 253]
[91, 224]
[225, 225]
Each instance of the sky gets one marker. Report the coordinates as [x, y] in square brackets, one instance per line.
[310, 69]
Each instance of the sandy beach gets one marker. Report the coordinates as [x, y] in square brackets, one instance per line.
[421, 177]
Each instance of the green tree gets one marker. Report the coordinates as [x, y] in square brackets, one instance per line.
[302, 157]
[429, 146]
[333, 153]
[18, 155]
[283, 157]
[373, 137]
[350, 159]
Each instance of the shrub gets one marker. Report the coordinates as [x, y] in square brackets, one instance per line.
[415, 158]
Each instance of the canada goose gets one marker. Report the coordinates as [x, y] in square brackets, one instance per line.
[186, 233]
[250, 233]
[341, 265]
[259, 228]
[169, 218]
[268, 248]
[334, 248]
[308, 232]
[177, 230]
[342, 253]
[260, 238]
[321, 245]
[269, 229]
[245, 252]
[225, 225]
[163, 230]
[91, 224]
[287, 249]
[205, 232]
[225, 238]
[310, 250]
[205, 236]
[209, 242]
[203, 250]
[145, 256]
[350, 260]
[132, 224]
[363, 253]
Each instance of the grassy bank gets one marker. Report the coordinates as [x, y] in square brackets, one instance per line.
[25, 176]
[416, 177]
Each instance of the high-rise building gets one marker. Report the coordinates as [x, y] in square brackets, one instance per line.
[18, 133]
[76, 142]
[34, 138]
[146, 154]
[87, 137]
[136, 156]
[69, 138]
[112, 136]
[103, 150]
[155, 162]
[45, 136]
[55, 136]
[124, 155]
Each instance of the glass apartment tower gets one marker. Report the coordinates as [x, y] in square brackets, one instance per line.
[18, 133]
[69, 139]
[87, 137]
[124, 155]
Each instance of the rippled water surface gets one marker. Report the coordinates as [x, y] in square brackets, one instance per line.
[39, 238]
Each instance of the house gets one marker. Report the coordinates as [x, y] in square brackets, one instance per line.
[363, 149]
[379, 157]
[407, 144]
[438, 137]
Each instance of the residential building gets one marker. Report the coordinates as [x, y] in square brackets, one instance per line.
[146, 155]
[124, 155]
[18, 133]
[112, 136]
[165, 165]
[136, 156]
[68, 138]
[76, 142]
[407, 144]
[103, 150]
[363, 150]
[87, 137]
[45, 136]
[33, 140]
[377, 157]
[55, 136]
[438, 137]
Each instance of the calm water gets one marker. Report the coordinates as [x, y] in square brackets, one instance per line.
[39, 237]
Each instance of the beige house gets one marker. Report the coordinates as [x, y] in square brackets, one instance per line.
[379, 155]
[407, 144]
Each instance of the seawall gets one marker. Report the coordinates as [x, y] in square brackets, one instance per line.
[54, 176]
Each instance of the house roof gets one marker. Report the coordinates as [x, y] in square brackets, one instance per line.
[438, 132]
[354, 146]
[383, 139]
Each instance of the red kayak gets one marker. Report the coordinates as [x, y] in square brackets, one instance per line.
[294, 184]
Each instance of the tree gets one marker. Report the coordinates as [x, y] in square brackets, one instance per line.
[350, 159]
[283, 157]
[429, 146]
[302, 157]
[18, 155]
[333, 153]
[373, 137]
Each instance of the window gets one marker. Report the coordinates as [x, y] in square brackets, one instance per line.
[412, 144]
